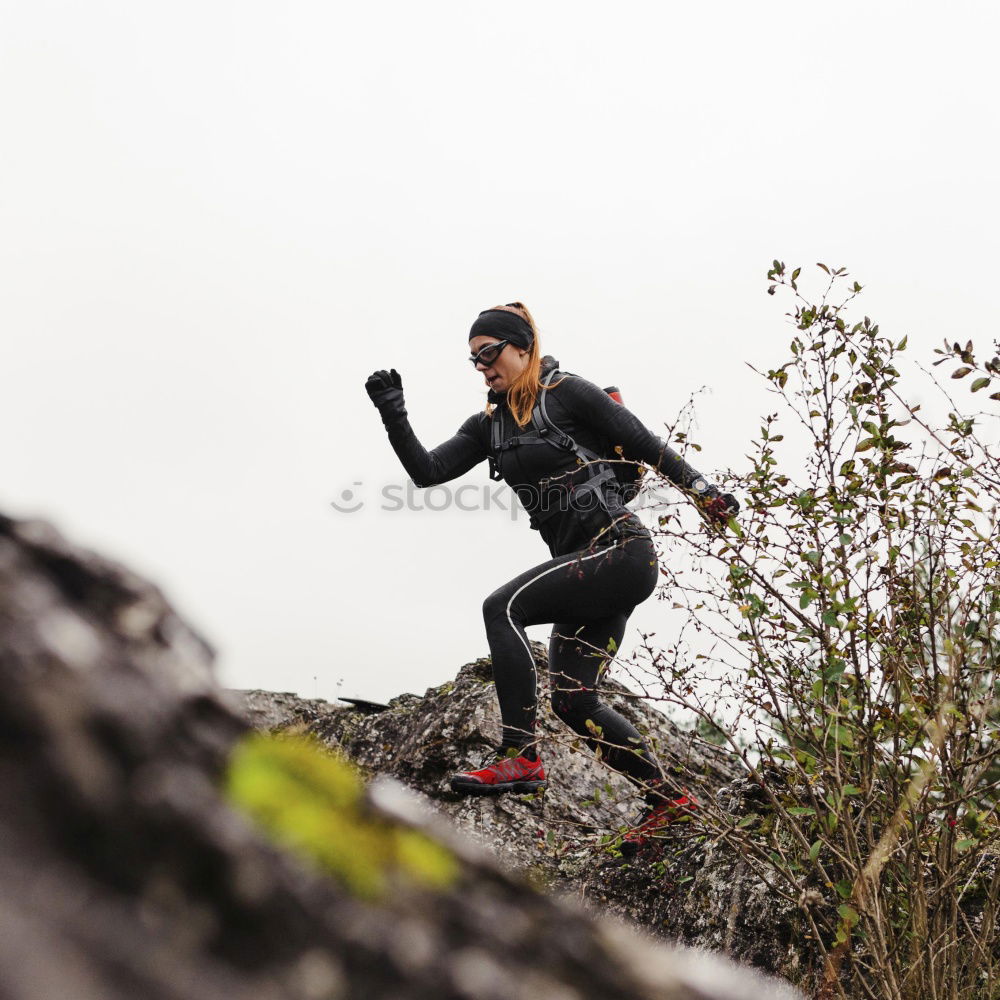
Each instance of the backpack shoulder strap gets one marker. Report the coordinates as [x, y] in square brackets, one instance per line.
[496, 438]
[546, 430]
[546, 426]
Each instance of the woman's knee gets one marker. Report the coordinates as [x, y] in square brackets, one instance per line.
[495, 606]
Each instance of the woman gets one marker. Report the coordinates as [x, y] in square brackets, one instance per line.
[603, 561]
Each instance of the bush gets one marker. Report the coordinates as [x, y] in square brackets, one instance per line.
[853, 611]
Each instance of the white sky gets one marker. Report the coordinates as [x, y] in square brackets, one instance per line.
[216, 219]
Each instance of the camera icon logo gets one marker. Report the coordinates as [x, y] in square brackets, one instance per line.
[346, 504]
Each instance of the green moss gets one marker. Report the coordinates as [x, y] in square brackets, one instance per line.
[540, 878]
[311, 802]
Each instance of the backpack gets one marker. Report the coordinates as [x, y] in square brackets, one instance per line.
[627, 475]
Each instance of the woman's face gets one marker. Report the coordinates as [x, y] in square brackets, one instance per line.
[507, 365]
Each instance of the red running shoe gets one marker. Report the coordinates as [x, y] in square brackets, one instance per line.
[653, 821]
[505, 774]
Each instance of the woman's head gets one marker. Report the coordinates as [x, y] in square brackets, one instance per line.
[502, 339]
[512, 367]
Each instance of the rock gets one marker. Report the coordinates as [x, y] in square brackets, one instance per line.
[266, 710]
[126, 872]
[693, 891]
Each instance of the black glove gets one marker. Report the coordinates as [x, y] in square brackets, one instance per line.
[385, 388]
[720, 507]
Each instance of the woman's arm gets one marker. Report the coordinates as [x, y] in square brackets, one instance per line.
[449, 460]
[591, 405]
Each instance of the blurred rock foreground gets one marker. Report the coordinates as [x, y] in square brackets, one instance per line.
[125, 872]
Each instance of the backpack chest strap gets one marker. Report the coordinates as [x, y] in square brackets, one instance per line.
[556, 501]
[546, 432]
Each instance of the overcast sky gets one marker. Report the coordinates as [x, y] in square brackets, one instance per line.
[217, 218]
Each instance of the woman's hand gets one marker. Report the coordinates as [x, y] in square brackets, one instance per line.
[721, 507]
[385, 389]
[382, 385]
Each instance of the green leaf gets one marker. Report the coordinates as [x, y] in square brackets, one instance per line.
[834, 671]
[964, 845]
[979, 383]
[851, 790]
[842, 735]
[843, 888]
[801, 811]
[848, 914]
[815, 849]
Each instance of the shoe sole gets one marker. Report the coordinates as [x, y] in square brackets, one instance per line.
[479, 788]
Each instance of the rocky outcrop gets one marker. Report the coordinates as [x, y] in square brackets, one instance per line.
[422, 740]
[694, 890]
[126, 872]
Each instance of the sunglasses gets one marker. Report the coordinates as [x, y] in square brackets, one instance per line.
[489, 353]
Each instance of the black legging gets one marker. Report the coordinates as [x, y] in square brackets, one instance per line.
[588, 595]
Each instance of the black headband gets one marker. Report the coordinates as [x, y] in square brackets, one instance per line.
[503, 325]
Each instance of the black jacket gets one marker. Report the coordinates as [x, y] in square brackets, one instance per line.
[585, 412]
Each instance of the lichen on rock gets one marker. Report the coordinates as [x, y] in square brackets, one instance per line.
[314, 802]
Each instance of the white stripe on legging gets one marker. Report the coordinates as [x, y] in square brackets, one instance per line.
[551, 569]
